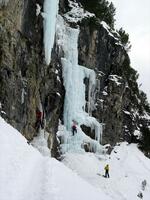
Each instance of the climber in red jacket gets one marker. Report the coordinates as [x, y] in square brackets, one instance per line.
[39, 120]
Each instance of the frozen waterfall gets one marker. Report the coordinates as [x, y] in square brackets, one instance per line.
[75, 100]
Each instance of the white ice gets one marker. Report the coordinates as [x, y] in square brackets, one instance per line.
[38, 9]
[49, 15]
[75, 100]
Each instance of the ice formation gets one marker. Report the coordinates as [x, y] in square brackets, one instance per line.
[40, 142]
[23, 93]
[3, 2]
[38, 9]
[75, 100]
[49, 15]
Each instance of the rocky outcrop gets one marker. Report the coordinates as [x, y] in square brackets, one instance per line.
[117, 98]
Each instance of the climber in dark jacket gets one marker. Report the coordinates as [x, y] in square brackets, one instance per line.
[74, 129]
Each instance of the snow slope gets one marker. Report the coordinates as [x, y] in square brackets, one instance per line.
[128, 168]
[26, 174]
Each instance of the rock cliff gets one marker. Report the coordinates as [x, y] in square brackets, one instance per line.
[26, 82]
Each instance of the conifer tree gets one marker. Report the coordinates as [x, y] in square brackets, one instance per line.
[103, 10]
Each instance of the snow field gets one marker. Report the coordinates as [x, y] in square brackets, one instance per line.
[26, 174]
[128, 168]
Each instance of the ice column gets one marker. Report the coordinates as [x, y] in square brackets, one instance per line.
[75, 101]
[74, 74]
[49, 15]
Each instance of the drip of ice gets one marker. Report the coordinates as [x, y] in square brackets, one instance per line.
[23, 93]
[40, 142]
[49, 15]
[38, 9]
[75, 101]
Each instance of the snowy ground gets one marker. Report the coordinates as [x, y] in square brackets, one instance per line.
[26, 174]
[128, 168]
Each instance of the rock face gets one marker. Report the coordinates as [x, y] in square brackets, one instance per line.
[97, 50]
[26, 82]
[118, 101]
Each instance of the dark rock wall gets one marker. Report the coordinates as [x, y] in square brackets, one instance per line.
[100, 51]
[25, 80]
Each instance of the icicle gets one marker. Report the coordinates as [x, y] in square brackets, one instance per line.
[23, 93]
[50, 13]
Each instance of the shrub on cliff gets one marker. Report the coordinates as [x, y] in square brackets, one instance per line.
[103, 10]
[124, 39]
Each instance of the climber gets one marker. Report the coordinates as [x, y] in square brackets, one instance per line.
[39, 120]
[74, 128]
[106, 171]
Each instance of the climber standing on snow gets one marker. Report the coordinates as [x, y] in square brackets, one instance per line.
[106, 171]
[74, 128]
